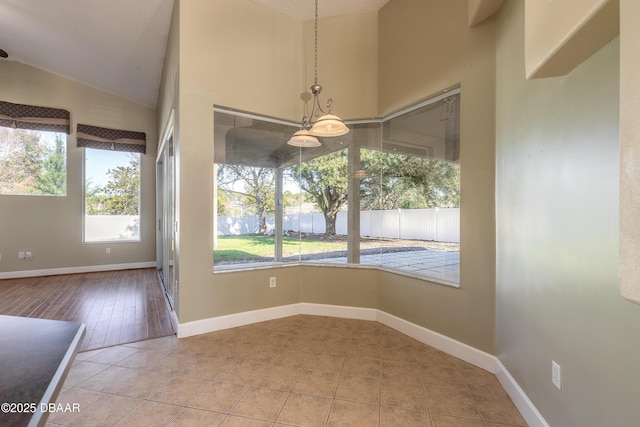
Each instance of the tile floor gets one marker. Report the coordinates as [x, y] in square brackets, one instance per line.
[296, 371]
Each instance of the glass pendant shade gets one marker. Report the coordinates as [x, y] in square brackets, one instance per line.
[303, 138]
[329, 125]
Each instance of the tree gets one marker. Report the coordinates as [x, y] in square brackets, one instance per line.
[121, 193]
[325, 178]
[123, 189]
[255, 185]
[22, 154]
[52, 177]
[402, 181]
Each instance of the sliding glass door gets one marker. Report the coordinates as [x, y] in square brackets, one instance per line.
[165, 173]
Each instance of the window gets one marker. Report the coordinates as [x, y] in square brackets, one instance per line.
[111, 196]
[386, 194]
[33, 162]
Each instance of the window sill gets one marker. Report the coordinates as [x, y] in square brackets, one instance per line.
[236, 268]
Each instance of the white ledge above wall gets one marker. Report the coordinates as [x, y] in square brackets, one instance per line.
[479, 10]
[629, 260]
[561, 34]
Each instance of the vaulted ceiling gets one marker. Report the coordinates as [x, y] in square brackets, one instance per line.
[119, 45]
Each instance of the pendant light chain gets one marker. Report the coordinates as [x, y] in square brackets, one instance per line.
[315, 58]
[327, 124]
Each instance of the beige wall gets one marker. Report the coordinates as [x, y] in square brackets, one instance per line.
[241, 55]
[424, 48]
[557, 237]
[369, 64]
[51, 227]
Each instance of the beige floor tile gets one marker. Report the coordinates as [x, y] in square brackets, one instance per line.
[496, 406]
[361, 367]
[180, 390]
[442, 376]
[400, 353]
[106, 411]
[109, 379]
[395, 417]
[237, 421]
[218, 396]
[403, 395]
[440, 420]
[141, 359]
[325, 362]
[257, 353]
[190, 417]
[305, 410]
[73, 396]
[427, 355]
[278, 377]
[207, 367]
[164, 344]
[401, 372]
[113, 355]
[317, 383]
[290, 358]
[365, 349]
[353, 414]
[337, 346]
[320, 371]
[143, 385]
[86, 355]
[150, 414]
[451, 401]
[81, 371]
[262, 403]
[240, 372]
[359, 389]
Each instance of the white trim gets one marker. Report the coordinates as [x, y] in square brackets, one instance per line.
[359, 313]
[74, 270]
[527, 409]
[228, 321]
[443, 343]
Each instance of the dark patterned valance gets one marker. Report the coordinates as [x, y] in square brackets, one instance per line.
[20, 116]
[111, 139]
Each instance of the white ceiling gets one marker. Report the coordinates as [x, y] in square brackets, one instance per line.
[117, 45]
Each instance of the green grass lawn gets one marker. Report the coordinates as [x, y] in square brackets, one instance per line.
[246, 248]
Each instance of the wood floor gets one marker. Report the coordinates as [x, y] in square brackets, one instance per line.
[117, 307]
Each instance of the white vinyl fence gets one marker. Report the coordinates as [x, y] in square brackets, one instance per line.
[105, 228]
[439, 224]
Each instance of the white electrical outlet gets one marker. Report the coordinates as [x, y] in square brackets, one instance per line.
[556, 375]
[108, 251]
[272, 282]
[21, 255]
[27, 255]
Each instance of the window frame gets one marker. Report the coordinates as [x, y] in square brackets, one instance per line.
[353, 259]
[84, 200]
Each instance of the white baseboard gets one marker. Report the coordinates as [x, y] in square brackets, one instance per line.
[443, 343]
[359, 313]
[527, 409]
[74, 270]
[228, 321]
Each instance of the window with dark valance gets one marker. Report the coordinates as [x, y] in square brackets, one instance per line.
[111, 139]
[21, 116]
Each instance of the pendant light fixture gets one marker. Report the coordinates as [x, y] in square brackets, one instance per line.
[327, 124]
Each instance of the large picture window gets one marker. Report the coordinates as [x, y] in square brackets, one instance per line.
[33, 162]
[112, 196]
[386, 194]
[33, 150]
